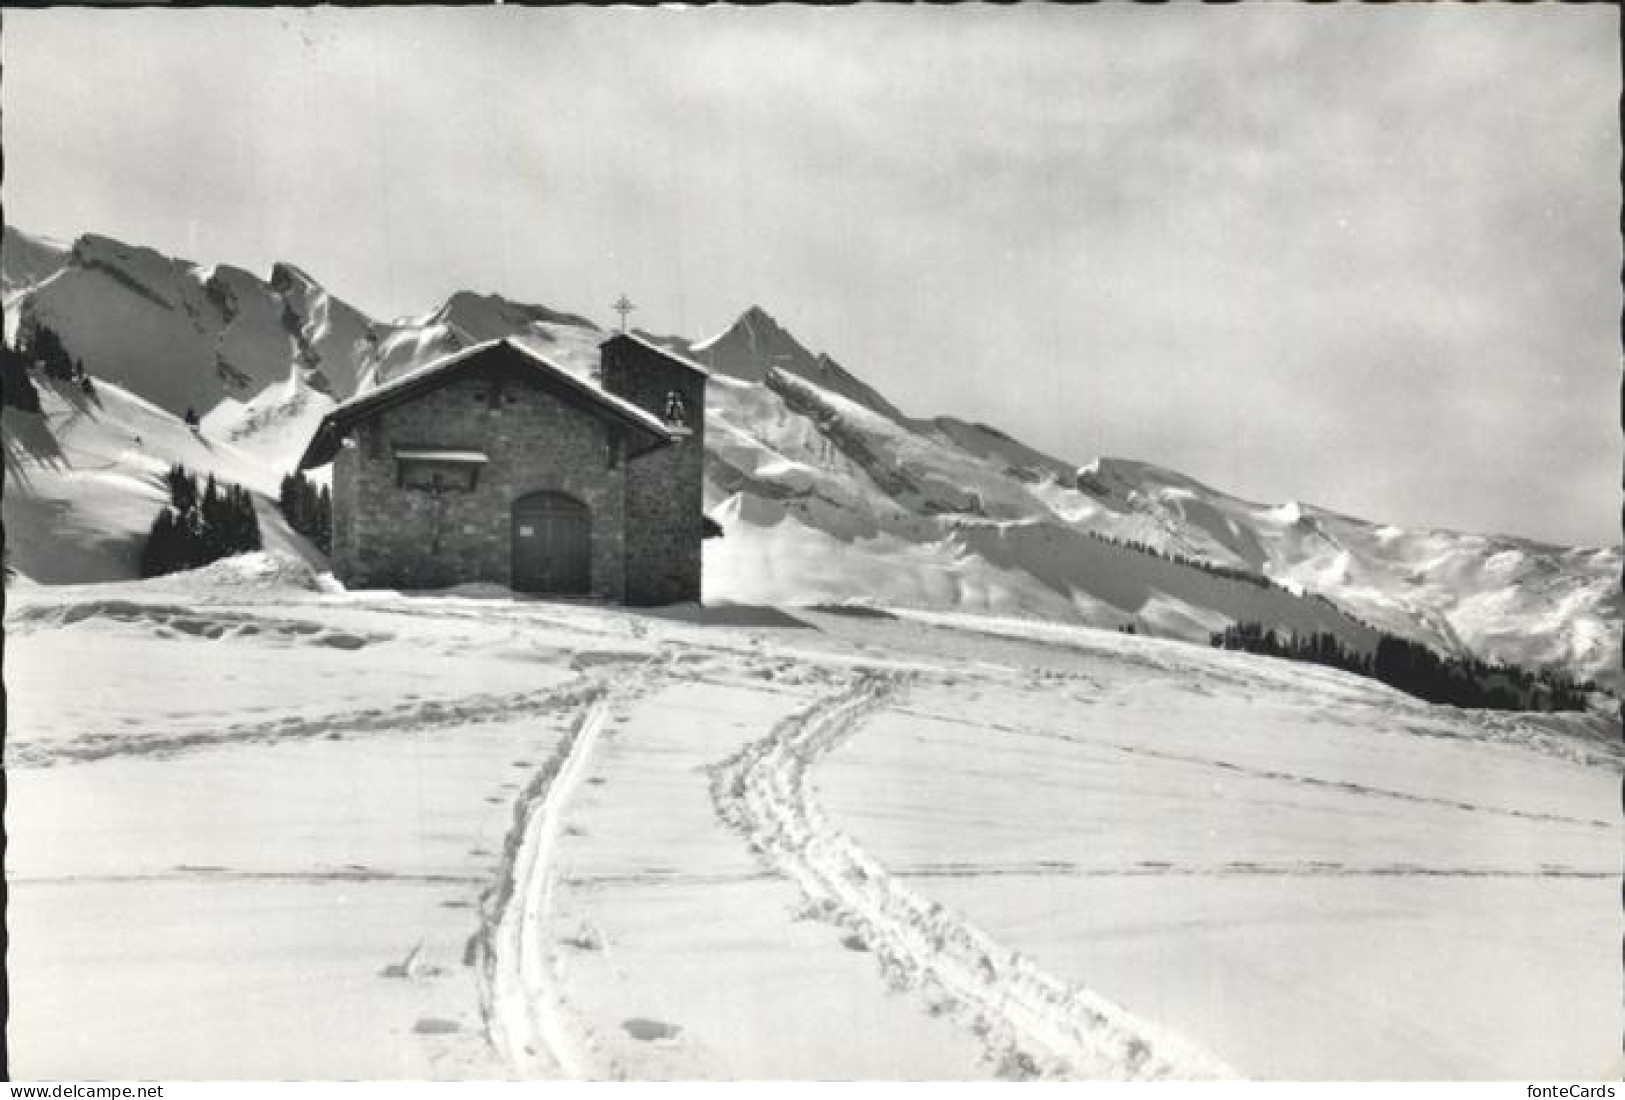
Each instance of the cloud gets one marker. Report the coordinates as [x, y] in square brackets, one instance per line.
[1321, 252]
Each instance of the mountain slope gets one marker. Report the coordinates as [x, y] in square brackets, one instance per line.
[1500, 597]
[823, 498]
[188, 338]
[26, 261]
[755, 344]
[85, 479]
[332, 340]
[466, 319]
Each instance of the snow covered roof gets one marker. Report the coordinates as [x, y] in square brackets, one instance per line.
[643, 341]
[324, 445]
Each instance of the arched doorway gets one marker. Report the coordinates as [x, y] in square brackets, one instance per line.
[552, 545]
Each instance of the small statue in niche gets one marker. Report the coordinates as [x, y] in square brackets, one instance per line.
[676, 413]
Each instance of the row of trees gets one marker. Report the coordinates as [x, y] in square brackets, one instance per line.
[308, 510]
[40, 348]
[1419, 670]
[199, 525]
[1229, 572]
[39, 345]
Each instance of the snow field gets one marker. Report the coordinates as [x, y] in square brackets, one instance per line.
[1310, 891]
[486, 837]
[300, 909]
[683, 956]
[1031, 1023]
[241, 850]
[156, 679]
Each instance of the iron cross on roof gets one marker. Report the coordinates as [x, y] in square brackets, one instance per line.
[623, 306]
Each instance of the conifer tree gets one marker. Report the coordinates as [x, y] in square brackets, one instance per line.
[16, 387]
[287, 500]
[159, 554]
[44, 346]
[324, 521]
[211, 513]
[197, 528]
[308, 510]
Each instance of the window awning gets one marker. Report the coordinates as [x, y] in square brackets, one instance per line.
[435, 454]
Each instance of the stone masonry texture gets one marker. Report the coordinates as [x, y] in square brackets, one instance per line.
[665, 491]
[388, 536]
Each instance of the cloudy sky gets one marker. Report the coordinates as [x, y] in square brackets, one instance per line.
[1363, 257]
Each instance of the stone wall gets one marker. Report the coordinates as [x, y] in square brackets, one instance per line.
[665, 490]
[346, 554]
[387, 536]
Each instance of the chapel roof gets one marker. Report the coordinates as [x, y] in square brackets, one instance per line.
[644, 341]
[646, 430]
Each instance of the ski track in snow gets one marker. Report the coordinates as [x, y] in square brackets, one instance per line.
[1363, 789]
[1031, 1023]
[193, 873]
[210, 623]
[525, 1013]
[1317, 868]
[1063, 868]
[404, 718]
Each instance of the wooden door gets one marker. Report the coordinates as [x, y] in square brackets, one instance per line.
[552, 545]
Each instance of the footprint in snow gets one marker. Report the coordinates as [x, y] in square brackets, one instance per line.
[585, 939]
[432, 1025]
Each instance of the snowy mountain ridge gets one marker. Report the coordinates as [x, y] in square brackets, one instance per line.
[756, 344]
[28, 261]
[827, 491]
